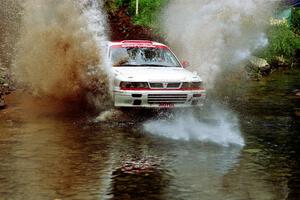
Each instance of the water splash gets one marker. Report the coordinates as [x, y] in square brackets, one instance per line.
[93, 12]
[222, 128]
[216, 35]
[9, 28]
[108, 115]
[59, 54]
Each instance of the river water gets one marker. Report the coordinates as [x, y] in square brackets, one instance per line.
[46, 154]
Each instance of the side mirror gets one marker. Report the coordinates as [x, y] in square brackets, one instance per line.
[185, 63]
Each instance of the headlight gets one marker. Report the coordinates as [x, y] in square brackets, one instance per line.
[191, 85]
[196, 84]
[134, 85]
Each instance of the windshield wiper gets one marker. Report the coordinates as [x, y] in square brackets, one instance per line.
[155, 65]
[124, 65]
[144, 65]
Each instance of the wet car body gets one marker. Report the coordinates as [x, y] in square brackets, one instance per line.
[148, 74]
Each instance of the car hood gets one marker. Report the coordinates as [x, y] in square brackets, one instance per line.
[155, 74]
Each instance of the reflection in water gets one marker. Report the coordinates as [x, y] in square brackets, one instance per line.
[198, 170]
[138, 167]
[139, 179]
[148, 167]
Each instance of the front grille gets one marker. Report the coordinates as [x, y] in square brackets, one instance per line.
[174, 85]
[156, 85]
[167, 98]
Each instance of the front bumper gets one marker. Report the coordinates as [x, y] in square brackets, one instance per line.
[159, 98]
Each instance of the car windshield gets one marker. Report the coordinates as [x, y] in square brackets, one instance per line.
[143, 56]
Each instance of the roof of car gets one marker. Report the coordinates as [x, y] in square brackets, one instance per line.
[137, 43]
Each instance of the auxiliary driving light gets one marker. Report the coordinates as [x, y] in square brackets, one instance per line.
[191, 85]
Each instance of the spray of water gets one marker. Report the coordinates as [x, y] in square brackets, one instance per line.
[97, 25]
[9, 28]
[59, 52]
[93, 12]
[214, 36]
[221, 127]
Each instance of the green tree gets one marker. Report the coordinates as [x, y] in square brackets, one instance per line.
[283, 42]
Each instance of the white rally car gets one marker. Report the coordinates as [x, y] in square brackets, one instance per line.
[148, 74]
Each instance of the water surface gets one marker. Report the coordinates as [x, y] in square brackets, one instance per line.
[51, 154]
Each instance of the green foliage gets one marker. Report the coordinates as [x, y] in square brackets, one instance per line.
[120, 3]
[283, 42]
[148, 12]
[296, 20]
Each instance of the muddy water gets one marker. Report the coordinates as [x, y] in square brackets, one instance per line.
[51, 154]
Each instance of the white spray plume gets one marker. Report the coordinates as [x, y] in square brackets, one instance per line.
[96, 18]
[221, 128]
[214, 34]
[94, 13]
